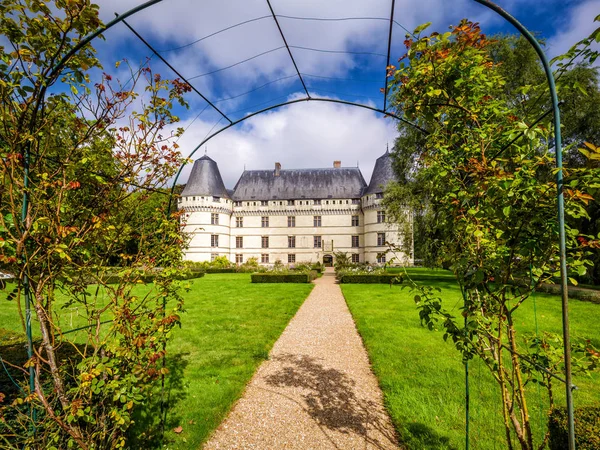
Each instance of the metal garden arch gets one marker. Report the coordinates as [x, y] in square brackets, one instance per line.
[557, 147]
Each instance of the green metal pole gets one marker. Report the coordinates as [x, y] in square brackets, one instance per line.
[560, 208]
[26, 290]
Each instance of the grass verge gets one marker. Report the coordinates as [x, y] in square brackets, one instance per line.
[228, 328]
[422, 377]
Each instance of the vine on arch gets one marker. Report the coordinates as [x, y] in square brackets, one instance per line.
[492, 209]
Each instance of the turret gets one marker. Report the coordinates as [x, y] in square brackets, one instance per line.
[208, 207]
[379, 233]
[205, 180]
[383, 173]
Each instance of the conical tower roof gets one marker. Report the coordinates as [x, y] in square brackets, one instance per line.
[205, 179]
[383, 173]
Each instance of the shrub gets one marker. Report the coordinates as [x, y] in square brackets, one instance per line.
[586, 295]
[377, 278]
[281, 277]
[221, 270]
[587, 428]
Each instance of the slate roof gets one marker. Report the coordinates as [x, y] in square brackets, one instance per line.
[292, 184]
[205, 179]
[383, 173]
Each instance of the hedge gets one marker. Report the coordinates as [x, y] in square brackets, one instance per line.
[149, 278]
[587, 428]
[371, 278]
[281, 277]
[586, 295]
[221, 270]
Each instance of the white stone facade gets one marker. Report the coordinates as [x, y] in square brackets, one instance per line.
[289, 230]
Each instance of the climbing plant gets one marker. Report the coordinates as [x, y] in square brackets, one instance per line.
[77, 145]
[487, 178]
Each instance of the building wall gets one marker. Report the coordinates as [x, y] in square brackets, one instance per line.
[336, 229]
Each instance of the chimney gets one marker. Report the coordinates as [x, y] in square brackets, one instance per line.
[277, 168]
[337, 164]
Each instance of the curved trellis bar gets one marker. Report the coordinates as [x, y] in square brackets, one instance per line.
[561, 207]
[557, 147]
[279, 105]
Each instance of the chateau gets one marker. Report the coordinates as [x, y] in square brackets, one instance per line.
[291, 215]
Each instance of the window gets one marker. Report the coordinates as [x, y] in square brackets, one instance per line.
[291, 202]
[214, 240]
[264, 258]
[214, 256]
[217, 199]
[318, 241]
[380, 239]
[380, 216]
[355, 221]
[264, 241]
[317, 201]
[379, 195]
[355, 258]
[237, 203]
[264, 222]
[317, 221]
[291, 221]
[214, 219]
[239, 258]
[355, 241]
[356, 201]
[264, 203]
[333, 202]
[239, 242]
[381, 258]
[239, 222]
[291, 241]
[291, 258]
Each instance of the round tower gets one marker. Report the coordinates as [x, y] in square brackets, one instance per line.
[379, 234]
[207, 208]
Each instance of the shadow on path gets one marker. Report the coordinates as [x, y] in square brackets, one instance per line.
[330, 398]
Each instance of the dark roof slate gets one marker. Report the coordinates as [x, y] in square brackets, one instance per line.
[205, 179]
[383, 173]
[292, 184]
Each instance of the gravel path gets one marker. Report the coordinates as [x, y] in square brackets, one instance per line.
[316, 391]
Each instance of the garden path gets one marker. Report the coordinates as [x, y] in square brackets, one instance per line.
[316, 391]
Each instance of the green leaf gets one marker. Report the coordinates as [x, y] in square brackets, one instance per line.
[506, 211]
[421, 27]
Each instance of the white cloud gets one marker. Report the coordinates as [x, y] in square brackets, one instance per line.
[302, 135]
[574, 27]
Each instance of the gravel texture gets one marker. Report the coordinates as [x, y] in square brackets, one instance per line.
[316, 391]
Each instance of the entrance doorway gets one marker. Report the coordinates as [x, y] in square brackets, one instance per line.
[328, 260]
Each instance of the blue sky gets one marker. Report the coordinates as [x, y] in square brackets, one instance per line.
[347, 61]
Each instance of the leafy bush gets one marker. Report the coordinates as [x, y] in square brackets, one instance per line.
[587, 428]
[221, 270]
[281, 277]
[586, 295]
[370, 278]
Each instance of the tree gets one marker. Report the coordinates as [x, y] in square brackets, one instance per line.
[74, 155]
[524, 88]
[485, 175]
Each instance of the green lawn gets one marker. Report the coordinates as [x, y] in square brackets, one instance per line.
[228, 329]
[422, 377]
